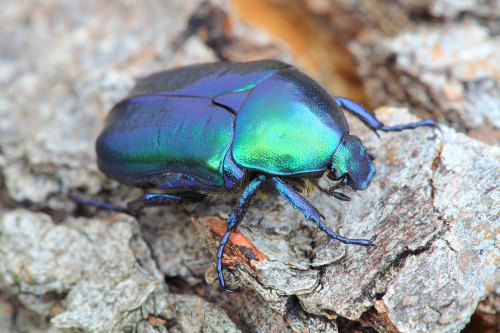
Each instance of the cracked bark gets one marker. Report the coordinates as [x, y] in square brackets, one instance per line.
[430, 203]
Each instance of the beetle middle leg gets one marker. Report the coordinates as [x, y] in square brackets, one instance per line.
[235, 219]
[310, 212]
[373, 123]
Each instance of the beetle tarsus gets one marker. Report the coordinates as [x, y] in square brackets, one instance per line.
[345, 240]
[398, 128]
[220, 253]
[98, 204]
[373, 123]
[310, 212]
[134, 207]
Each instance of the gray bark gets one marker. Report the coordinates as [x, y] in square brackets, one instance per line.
[433, 203]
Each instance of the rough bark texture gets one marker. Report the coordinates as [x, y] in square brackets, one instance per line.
[433, 203]
[437, 57]
[453, 72]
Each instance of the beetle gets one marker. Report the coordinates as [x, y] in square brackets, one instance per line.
[206, 130]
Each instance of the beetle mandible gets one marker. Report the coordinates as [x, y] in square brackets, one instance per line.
[228, 128]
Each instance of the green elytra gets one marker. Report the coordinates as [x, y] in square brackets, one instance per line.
[264, 116]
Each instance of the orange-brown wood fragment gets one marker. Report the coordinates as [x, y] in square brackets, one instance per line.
[239, 248]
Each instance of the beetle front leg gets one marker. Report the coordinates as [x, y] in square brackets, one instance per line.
[373, 123]
[235, 219]
[310, 212]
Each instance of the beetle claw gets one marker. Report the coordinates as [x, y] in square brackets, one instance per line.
[222, 284]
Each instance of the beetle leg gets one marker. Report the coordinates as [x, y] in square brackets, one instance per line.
[373, 123]
[145, 200]
[160, 199]
[235, 219]
[310, 212]
[98, 204]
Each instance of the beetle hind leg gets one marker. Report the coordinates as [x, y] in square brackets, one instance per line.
[161, 199]
[232, 223]
[310, 212]
[98, 204]
[373, 123]
[145, 200]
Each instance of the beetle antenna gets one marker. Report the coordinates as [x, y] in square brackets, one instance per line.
[339, 195]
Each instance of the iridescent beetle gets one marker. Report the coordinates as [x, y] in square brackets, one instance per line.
[225, 128]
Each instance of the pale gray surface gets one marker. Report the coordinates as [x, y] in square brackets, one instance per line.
[63, 65]
[393, 17]
[452, 71]
[432, 207]
[438, 58]
[96, 275]
[453, 8]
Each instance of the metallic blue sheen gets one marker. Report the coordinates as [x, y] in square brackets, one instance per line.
[352, 159]
[208, 80]
[232, 101]
[176, 128]
[149, 137]
[205, 130]
[373, 123]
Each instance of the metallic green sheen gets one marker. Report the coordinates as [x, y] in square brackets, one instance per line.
[178, 125]
[288, 125]
[168, 134]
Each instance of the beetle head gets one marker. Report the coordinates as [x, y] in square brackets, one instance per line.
[352, 166]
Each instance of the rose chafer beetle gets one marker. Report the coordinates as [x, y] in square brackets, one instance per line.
[228, 128]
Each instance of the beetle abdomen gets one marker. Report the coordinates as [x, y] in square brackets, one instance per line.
[288, 125]
[151, 135]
